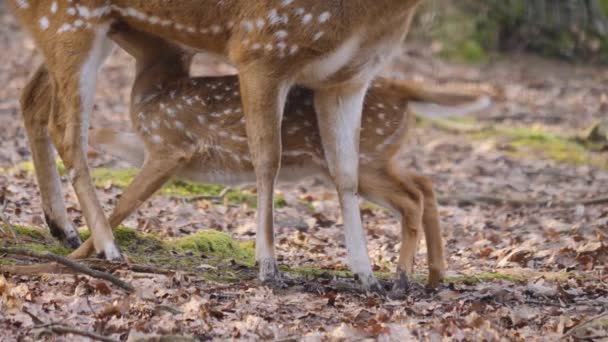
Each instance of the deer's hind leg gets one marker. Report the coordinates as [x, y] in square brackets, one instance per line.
[432, 230]
[406, 202]
[37, 101]
[154, 173]
[421, 210]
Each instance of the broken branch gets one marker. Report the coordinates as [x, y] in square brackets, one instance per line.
[70, 264]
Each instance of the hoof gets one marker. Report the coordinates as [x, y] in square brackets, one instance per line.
[68, 236]
[371, 284]
[111, 253]
[73, 242]
[435, 277]
[401, 284]
[269, 273]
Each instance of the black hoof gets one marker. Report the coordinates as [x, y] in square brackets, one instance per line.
[401, 283]
[371, 284]
[72, 241]
[270, 275]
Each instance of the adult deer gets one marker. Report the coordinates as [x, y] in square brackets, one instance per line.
[194, 128]
[334, 47]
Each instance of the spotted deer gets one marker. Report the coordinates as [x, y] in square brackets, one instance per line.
[334, 47]
[194, 128]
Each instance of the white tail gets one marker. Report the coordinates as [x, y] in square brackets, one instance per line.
[435, 111]
[334, 46]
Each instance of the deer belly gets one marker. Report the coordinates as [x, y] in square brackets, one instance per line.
[294, 168]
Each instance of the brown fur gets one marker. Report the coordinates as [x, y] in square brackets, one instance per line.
[361, 34]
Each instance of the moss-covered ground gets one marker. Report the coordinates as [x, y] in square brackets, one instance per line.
[214, 255]
[526, 141]
[121, 178]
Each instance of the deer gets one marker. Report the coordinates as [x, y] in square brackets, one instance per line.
[333, 47]
[194, 128]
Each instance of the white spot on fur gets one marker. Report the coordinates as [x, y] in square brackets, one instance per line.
[318, 35]
[307, 18]
[324, 17]
[44, 23]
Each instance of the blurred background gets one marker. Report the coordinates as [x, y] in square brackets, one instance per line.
[476, 31]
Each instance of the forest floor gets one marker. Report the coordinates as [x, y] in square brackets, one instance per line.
[526, 249]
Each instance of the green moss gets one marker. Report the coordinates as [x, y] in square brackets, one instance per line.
[524, 141]
[181, 188]
[117, 178]
[35, 239]
[556, 148]
[230, 260]
[53, 248]
[31, 233]
[483, 277]
[215, 243]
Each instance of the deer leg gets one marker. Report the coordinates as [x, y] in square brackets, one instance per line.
[410, 204]
[74, 77]
[263, 102]
[154, 173]
[36, 102]
[339, 115]
[432, 230]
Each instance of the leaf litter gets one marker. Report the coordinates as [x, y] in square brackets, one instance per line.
[534, 272]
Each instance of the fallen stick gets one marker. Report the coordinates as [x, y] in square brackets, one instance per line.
[101, 265]
[70, 264]
[493, 200]
[64, 329]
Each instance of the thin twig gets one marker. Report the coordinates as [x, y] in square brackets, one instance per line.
[493, 200]
[95, 264]
[69, 263]
[63, 329]
[59, 328]
[219, 197]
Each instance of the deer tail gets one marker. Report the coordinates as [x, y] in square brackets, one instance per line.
[433, 104]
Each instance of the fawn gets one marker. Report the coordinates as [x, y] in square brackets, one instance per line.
[334, 47]
[194, 128]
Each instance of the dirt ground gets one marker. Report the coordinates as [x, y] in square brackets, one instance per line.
[526, 249]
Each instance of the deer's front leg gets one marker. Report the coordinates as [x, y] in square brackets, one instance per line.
[339, 115]
[263, 101]
[37, 104]
[75, 77]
